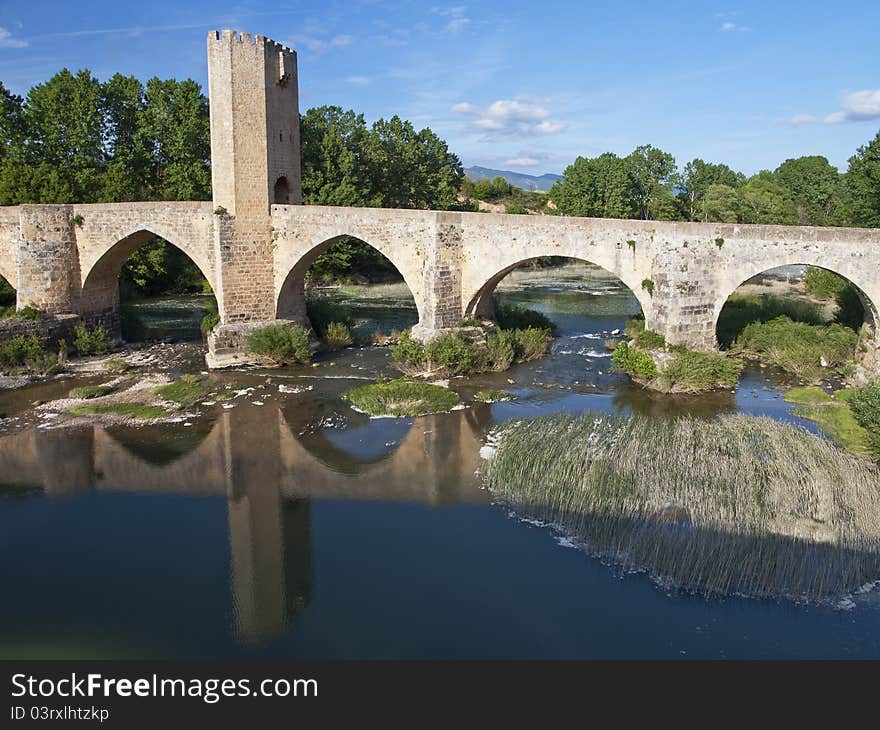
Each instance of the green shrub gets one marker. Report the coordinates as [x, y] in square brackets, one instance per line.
[515, 317]
[797, 347]
[648, 286]
[401, 398]
[632, 361]
[531, 343]
[17, 351]
[282, 343]
[209, 322]
[452, 354]
[865, 406]
[823, 284]
[650, 340]
[94, 341]
[743, 309]
[850, 310]
[694, 371]
[24, 313]
[501, 347]
[408, 353]
[186, 391]
[492, 395]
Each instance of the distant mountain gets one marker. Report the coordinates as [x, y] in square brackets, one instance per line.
[519, 179]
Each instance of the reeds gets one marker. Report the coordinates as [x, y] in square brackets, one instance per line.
[736, 505]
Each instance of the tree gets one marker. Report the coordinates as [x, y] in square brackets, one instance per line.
[333, 166]
[720, 204]
[814, 187]
[696, 179]
[126, 144]
[863, 185]
[598, 187]
[764, 200]
[176, 131]
[651, 172]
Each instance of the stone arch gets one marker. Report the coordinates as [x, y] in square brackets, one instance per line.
[741, 276]
[281, 191]
[99, 301]
[290, 300]
[479, 302]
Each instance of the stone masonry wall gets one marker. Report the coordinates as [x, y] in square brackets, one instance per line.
[48, 259]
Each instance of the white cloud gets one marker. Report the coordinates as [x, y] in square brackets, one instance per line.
[458, 20]
[509, 118]
[730, 27]
[358, 80]
[522, 162]
[858, 106]
[319, 45]
[7, 41]
[799, 119]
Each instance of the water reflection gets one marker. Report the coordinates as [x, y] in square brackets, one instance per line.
[267, 470]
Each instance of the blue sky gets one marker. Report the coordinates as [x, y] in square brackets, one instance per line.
[526, 86]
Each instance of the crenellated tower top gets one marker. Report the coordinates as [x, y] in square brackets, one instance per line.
[255, 148]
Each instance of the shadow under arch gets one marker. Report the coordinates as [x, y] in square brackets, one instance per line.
[100, 289]
[8, 293]
[291, 303]
[481, 303]
[869, 308]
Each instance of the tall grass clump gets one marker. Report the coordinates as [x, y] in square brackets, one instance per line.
[811, 352]
[400, 398]
[735, 505]
[692, 371]
[284, 344]
[25, 354]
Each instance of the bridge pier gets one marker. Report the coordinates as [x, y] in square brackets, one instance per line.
[48, 259]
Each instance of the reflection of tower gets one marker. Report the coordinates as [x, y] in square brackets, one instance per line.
[269, 539]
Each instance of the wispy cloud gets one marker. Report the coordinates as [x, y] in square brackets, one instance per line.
[458, 20]
[508, 118]
[858, 106]
[319, 45]
[8, 41]
[729, 26]
[358, 80]
[522, 161]
[799, 119]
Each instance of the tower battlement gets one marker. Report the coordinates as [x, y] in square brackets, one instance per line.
[255, 148]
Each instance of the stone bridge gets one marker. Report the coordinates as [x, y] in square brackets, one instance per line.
[255, 241]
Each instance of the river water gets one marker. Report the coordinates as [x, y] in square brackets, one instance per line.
[283, 524]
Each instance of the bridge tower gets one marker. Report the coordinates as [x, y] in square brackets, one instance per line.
[255, 163]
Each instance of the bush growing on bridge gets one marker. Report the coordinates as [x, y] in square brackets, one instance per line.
[285, 344]
[94, 341]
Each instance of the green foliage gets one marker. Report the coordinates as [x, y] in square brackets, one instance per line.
[116, 365]
[135, 410]
[322, 311]
[693, 371]
[336, 336]
[650, 340]
[531, 343]
[865, 406]
[94, 341]
[7, 293]
[158, 267]
[633, 361]
[695, 183]
[807, 395]
[815, 188]
[209, 322]
[492, 395]
[452, 354]
[17, 351]
[634, 326]
[513, 316]
[823, 284]
[741, 310]
[282, 343]
[797, 347]
[863, 185]
[24, 313]
[186, 391]
[648, 286]
[90, 391]
[401, 398]
[719, 204]
[408, 353]
[850, 309]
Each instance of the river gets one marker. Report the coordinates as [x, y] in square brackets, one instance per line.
[283, 524]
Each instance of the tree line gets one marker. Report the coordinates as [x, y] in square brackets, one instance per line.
[648, 184]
